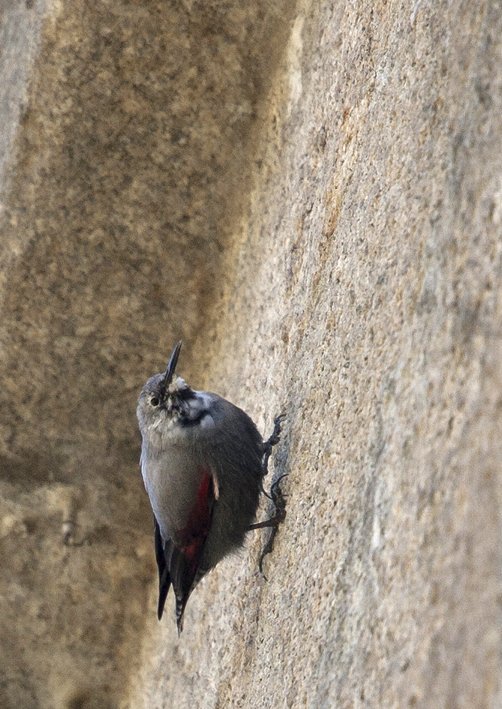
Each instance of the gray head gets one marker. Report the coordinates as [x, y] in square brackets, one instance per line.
[167, 400]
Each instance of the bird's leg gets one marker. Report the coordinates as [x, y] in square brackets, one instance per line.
[267, 451]
[275, 494]
[280, 515]
[279, 501]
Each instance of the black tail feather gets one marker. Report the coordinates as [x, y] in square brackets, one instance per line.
[164, 585]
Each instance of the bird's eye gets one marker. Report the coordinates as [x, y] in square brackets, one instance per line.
[154, 401]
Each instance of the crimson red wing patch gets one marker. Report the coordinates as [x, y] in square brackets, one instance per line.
[183, 558]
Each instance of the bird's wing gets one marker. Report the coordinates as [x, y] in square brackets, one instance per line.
[164, 576]
[181, 557]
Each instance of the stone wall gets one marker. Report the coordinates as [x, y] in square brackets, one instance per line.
[310, 196]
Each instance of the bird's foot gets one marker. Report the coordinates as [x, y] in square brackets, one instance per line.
[267, 449]
[279, 500]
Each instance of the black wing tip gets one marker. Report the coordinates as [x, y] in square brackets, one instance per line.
[163, 591]
[160, 607]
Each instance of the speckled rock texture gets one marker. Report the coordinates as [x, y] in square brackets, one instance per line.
[310, 196]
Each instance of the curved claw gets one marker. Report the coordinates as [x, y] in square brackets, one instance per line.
[270, 443]
[280, 515]
[275, 484]
[275, 495]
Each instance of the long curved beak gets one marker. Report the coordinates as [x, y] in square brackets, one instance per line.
[171, 367]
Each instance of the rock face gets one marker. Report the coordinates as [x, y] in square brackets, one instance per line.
[310, 196]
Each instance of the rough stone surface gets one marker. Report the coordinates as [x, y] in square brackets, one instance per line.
[311, 196]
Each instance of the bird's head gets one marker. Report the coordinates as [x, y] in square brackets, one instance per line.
[166, 401]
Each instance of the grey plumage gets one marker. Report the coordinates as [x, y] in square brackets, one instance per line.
[201, 461]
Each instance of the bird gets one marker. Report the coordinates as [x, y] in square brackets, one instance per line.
[203, 461]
